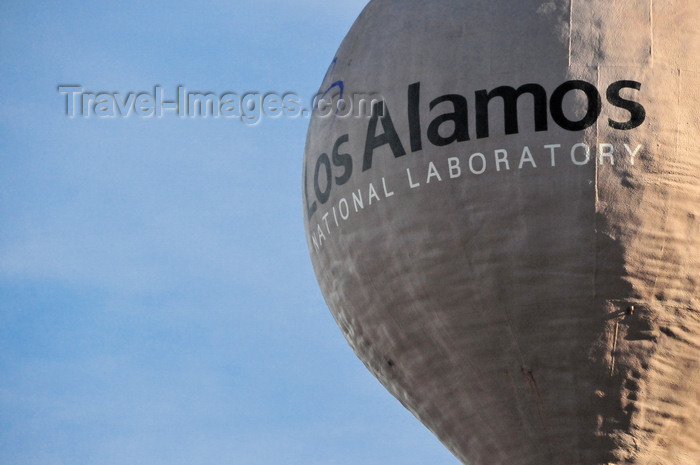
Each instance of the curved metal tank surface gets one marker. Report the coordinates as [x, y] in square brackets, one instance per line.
[511, 243]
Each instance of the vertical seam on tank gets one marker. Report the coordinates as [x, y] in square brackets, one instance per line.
[597, 140]
[651, 33]
[596, 200]
[679, 89]
[571, 28]
[595, 209]
[595, 219]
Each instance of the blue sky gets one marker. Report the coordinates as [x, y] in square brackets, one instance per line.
[157, 302]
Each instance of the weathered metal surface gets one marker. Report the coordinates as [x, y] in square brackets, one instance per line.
[529, 304]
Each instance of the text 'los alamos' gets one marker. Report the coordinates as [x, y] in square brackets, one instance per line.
[337, 168]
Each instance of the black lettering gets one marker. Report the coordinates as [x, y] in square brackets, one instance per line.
[459, 117]
[637, 112]
[342, 159]
[510, 97]
[389, 136]
[414, 116]
[310, 209]
[556, 105]
[323, 196]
